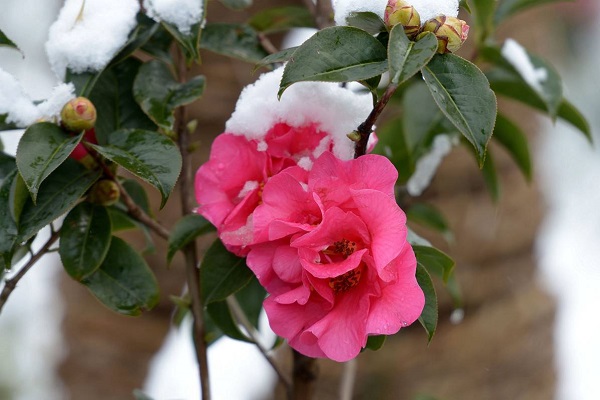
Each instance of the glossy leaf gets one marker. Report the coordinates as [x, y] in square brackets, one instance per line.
[124, 282]
[149, 155]
[512, 138]
[57, 195]
[429, 315]
[406, 57]
[276, 58]
[367, 21]
[222, 273]
[429, 216]
[463, 94]
[8, 225]
[336, 54]
[375, 342]
[435, 261]
[42, 148]
[84, 82]
[85, 237]
[5, 41]
[506, 8]
[233, 40]
[188, 41]
[281, 19]
[392, 144]
[185, 231]
[159, 94]
[237, 4]
[7, 166]
[223, 318]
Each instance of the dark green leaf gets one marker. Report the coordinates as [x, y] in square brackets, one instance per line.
[569, 113]
[238, 41]
[375, 342]
[483, 14]
[435, 261]
[223, 318]
[463, 94]
[138, 194]
[7, 166]
[57, 195]
[406, 57]
[490, 177]
[222, 273]
[512, 138]
[250, 299]
[429, 315]
[124, 282]
[281, 19]
[506, 8]
[237, 4]
[367, 21]
[84, 239]
[5, 126]
[392, 144]
[276, 58]
[5, 41]
[120, 220]
[429, 216]
[144, 30]
[159, 45]
[189, 41]
[185, 231]
[8, 225]
[336, 54]
[84, 82]
[149, 155]
[42, 148]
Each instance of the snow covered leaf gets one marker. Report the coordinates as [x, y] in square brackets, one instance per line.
[159, 94]
[512, 138]
[406, 57]
[506, 8]
[123, 282]
[237, 4]
[85, 237]
[367, 21]
[336, 54]
[185, 231]
[222, 273]
[42, 148]
[59, 193]
[435, 261]
[149, 155]
[5, 41]
[463, 94]
[279, 57]
[281, 19]
[429, 315]
[238, 41]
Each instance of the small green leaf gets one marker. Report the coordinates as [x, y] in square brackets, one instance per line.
[490, 177]
[5, 41]
[223, 318]
[512, 138]
[375, 342]
[463, 94]
[188, 41]
[506, 8]
[7, 166]
[429, 216]
[185, 231]
[236, 4]
[429, 315]
[149, 155]
[571, 114]
[124, 282]
[276, 58]
[435, 261]
[336, 54]
[233, 40]
[85, 237]
[222, 273]
[281, 19]
[42, 148]
[406, 57]
[367, 21]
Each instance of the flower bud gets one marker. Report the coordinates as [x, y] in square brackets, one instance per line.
[78, 114]
[400, 12]
[80, 153]
[105, 192]
[451, 32]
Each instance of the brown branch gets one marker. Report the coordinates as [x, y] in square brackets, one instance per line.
[267, 44]
[11, 284]
[305, 374]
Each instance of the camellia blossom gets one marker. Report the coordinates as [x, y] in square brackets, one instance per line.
[332, 253]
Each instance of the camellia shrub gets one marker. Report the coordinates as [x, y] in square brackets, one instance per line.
[309, 203]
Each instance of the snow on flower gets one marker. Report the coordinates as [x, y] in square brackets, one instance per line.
[332, 253]
[181, 13]
[427, 9]
[88, 34]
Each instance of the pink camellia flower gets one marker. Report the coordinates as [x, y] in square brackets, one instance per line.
[331, 251]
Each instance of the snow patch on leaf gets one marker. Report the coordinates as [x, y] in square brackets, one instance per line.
[181, 13]
[517, 56]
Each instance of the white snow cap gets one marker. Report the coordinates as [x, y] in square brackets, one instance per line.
[88, 34]
[428, 164]
[336, 110]
[427, 9]
[19, 107]
[517, 56]
[181, 13]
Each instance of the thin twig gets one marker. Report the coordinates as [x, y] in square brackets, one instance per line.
[241, 318]
[348, 378]
[267, 44]
[11, 284]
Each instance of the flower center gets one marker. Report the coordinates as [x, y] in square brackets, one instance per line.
[342, 247]
[346, 281]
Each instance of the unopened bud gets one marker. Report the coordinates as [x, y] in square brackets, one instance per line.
[105, 192]
[78, 114]
[451, 32]
[401, 12]
[354, 136]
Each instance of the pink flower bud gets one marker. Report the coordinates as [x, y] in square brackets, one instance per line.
[105, 192]
[400, 12]
[78, 114]
[451, 32]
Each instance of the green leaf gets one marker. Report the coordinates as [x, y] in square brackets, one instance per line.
[375, 342]
[159, 94]
[5, 41]
[406, 57]
[6, 126]
[223, 318]
[512, 138]
[8, 225]
[392, 144]
[145, 29]
[85, 237]
[185, 231]
[124, 282]
[236, 4]
[138, 194]
[7, 166]
[463, 94]
[57, 195]
[238, 41]
[336, 54]
[189, 41]
[429, 315]
[276, 58]
[42, 148]
[149, 155]
[569, 113]
[281, 19]
[84, 82]
[429, 216]
[250, 299]
[506, 8]
[483, 14]
[490, 177]
[435, 261]
[464, 4]
[222, 273]
[367, 21]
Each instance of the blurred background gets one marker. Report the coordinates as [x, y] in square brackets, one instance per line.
[527, 264]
